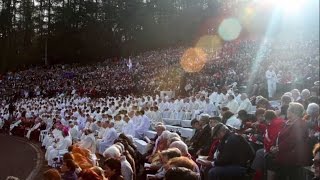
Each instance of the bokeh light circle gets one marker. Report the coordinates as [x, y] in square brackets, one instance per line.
[193, 60]
[229, 29]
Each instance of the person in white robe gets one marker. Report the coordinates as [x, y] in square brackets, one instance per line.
[245, 104]
[118, 123]
[232, 104]
[218, 98]
[52, 136]
[81, 120]
[237, 96]
[15, 124]
[115, 152]
[224, 101]
[213, 95]
[64, 121]
[88, 142]
[162, 105]
[271, 77]
[202, 105]
[136, 119]
[54, 150]
[143, 126]
[210, 108]
[177, 110]
[167, 109]
[96, 126]
[187, 109]
[156, 117]
[1, 121]
[108, 139]
[148, 112]
[89, 123]
[194, 107]
[102, 129]
[73, 131]
[36, 125]
[128, 128]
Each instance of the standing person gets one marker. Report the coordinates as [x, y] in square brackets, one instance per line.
[272, 81]
[274, 125]
[291, 150]
[11, 109]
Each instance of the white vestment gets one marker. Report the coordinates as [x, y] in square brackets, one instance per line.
[128, 128]
[143, 127]
[89, 142]
[34, 127]
[107, 140]
[118, 125]
[271, 77]
[155, 118]
[245, 105]
[233, 106]
[53, 152]
[74, 133]
[210, 109]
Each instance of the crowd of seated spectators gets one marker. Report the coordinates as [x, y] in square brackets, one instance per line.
[271, 140]
[92, 120]
[296, 64]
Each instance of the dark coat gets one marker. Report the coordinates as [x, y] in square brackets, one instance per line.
[203, 140]
[234, 150]
[294, 149]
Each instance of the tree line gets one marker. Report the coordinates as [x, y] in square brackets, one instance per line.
[91, 30]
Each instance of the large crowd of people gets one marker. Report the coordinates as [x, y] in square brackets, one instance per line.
[93, 121]
[234, 136]
[295, 63]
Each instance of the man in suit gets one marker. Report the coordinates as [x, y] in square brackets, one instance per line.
[200, 142]
[191, 144]
[204, 141]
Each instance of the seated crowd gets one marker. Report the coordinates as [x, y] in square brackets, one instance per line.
[296, 63]
[234, 137]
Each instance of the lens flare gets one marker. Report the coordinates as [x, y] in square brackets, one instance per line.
[193, 60]
[229, 29]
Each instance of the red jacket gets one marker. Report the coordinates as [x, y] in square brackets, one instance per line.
[294, 149]
[271, 133]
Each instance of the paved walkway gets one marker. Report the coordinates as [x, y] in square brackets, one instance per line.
[19, 157]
